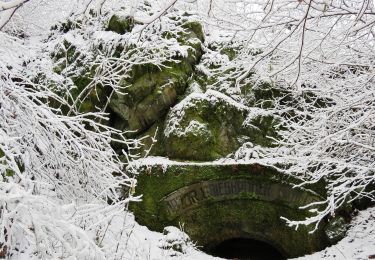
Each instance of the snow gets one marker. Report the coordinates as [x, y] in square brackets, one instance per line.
[65, 220]
[177, 112]
[215, 58]
[124, 238]
[137, 242]
[165, 162]
[254, 113]
[359, 243]
[195, 128]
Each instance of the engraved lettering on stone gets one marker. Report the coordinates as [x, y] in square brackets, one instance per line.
[190, 196]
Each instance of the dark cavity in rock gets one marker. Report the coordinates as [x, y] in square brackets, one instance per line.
[244, 249]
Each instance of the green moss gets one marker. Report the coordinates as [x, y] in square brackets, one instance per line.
[321, 102]
[67, 54]
[215, 219]
[141, 114]
[9, 172]
[194, 27]
[336, 229]
[206, 130]
[151, 90]
[150, 81]
[230, 52]
[120, 25]
[139, 70]
[192, 37]
[261, 129]
[178, 176]
[94, 98]
[155, 148]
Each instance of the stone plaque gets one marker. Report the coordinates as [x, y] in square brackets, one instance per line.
[215, 190]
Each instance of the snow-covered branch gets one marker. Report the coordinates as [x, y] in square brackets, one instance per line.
[11, 4]
[7, 10]
[320, 54]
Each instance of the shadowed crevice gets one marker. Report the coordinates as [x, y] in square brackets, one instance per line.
[246, 249]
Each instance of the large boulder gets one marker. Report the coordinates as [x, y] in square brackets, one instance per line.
[204, 126]
[150, 90]
[150, 95]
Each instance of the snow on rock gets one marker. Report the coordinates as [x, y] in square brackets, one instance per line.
[254, 113]
[175, 241]
[137, 242]
[195, 128]
[177, 112]
[359, 243]
[247, 152]
[214, 58]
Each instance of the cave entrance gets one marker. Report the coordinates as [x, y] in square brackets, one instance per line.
[246, 249]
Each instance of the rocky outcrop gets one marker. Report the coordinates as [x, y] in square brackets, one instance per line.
[152, 90]
[177, 103]
[193, 120]
[204, 126]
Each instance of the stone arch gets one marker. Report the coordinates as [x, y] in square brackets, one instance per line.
[217, 203]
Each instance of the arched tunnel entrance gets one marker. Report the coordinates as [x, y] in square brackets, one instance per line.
[246, 249]
[230, 208]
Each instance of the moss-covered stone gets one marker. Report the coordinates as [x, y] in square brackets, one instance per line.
[120, 25]
[82, 96]
[207, 126]
[203, 127]
[194, 29]
[261, 128]
[153, 140]
[150, 91]
[140, 115]
[336, 229]
[220, 202]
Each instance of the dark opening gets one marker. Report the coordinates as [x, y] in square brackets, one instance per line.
[246, 249]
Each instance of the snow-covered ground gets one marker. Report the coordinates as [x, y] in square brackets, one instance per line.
[359, 243]
[127, 240]
[136, 242]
